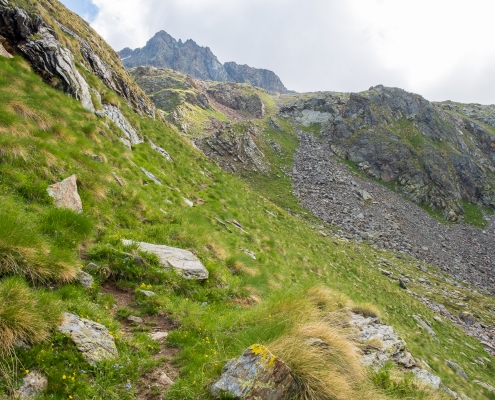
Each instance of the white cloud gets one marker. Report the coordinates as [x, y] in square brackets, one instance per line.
[429, 47]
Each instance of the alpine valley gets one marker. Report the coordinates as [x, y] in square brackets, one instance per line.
[172, 227]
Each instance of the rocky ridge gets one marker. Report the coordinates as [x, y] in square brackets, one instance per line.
[431, 155]
[163, 51]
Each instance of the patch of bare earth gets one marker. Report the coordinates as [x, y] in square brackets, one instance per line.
[153, 384]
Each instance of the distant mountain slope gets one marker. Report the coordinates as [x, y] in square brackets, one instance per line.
[163, 51]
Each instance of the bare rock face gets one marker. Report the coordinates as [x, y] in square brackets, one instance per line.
[114, 114]
[91, 338]
[233, 96]
[65, 194]
[262, 78]
[163, 51]
[183, 261]
[234, 149]
[39, 44]
[33, 384]
[257, 374]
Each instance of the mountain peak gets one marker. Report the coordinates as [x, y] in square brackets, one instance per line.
[163, 51]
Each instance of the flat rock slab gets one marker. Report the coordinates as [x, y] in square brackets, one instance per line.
[65, 194]
[257, 374]
[33, 385]
[183, 261]
[91, 338]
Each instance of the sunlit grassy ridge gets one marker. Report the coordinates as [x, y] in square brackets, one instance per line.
[46, 136]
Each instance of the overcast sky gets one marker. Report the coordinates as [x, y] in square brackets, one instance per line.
[441, 49]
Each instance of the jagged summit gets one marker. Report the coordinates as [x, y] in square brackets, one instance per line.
[163, 51]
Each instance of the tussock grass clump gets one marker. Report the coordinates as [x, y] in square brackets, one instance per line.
[25, 314]
[23, 251]
[322, 360]
[366, 310]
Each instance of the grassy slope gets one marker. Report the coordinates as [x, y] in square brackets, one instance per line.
[47, 145]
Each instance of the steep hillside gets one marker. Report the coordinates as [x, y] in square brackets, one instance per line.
[84, 313]
[163, 51]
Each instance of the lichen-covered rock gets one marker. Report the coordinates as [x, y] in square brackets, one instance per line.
[33, 384]
[457, 369]
[386, 343]
[91, 338]
[183, 261]
[85, 279]
[65, 194]
[426, 378]
[257, 374]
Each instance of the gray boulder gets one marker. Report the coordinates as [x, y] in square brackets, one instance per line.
[91, 338]
[33, 384]
[65, 194]
[85, 279]
[183, 261]
[257, 374]
[457, 369]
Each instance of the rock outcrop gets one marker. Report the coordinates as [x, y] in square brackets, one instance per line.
[234, 147]
[65, 194]
[91, 338]
[183, 261]
[429, 154]
[39, 42]
[163, 51]
[256, 374]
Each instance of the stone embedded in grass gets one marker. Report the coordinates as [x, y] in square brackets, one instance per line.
[188, 202]
[457, 369]
[133, 318]
[65, 194]
[91, 338]
[391, 346]
[183, 261]
[85, 279]
[256, 374]
[159, 335]
[160, 150]
[426, 378]
[467, 318]
[147, 293]
[118, 119]
[485, 385]
[424, 325]
[33, 384]
[151, 176]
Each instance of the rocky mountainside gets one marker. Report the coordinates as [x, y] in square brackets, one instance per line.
[163, 51]
[426, 152]
[133, 267]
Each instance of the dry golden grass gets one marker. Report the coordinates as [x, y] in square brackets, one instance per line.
[14, 151]
[216, 251]
[329, 369]
[26, 112]
[366, 310]
[239, 268]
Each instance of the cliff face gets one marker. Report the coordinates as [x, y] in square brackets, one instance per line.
[163, 51]
[55, 45]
